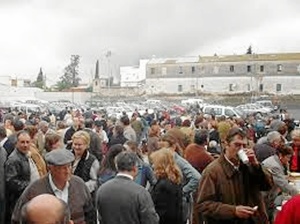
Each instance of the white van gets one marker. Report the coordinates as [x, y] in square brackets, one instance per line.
[28, 108]
[219, 110]
[188, 102]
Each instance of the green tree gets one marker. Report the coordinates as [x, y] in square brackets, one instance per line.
[39, 80]
[70, 78]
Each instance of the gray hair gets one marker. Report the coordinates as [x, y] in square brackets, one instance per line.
[126, 161]
[273, 136]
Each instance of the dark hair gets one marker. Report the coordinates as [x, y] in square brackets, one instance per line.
[133, 146]
[32, 130]
[18, 125]
[2, 132]
[119, 129]
[186, 123]
[284, 150]
[125, 120]
[125, 161]
[201, 137]
[233, 132]
[88, 123]
[109, 161]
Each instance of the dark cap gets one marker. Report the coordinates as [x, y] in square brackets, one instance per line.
[59, 157]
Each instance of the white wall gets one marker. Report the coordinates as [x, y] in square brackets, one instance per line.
[289, 84]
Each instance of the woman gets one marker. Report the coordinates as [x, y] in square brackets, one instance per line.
[85, 165]
[153, 138]
[35, 155]
[145, 173]
[278, 165]
[117, 137]
[53, 141]
[108, 169]
[167, 192]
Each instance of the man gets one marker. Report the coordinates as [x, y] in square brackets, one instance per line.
[45, 209]
[70, 131]
[137, 126]
[265, 150]
[121, 200]
[95, 144]
[229, 191]
[19, 171]
[61, 183]
[295, 144]
[5, 141]
[129, 132]
[3, 156]
[196, 153]
[43, 129]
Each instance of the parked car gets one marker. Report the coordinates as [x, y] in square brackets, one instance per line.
[219, 110]
[268, 104]
[254, 109]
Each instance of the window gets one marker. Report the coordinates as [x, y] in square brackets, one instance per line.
[96, 83]
[231, 68]
[279, 68]
[152, 72]
[248, 68]
[248, 87]
[229, 113]
[180, 70]
[262, 68]
[231, 87]
[278, 87]
[163, 70]
[193, 69]
[179, 88]
[261, 87]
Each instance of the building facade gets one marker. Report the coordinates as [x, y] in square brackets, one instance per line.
[133, 76]
[261, 73]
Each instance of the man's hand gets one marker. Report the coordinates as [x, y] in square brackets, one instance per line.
[252, 157]
[244, 212]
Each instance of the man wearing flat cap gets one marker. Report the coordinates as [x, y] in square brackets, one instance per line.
[61, 183]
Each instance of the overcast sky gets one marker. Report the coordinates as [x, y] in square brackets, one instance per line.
[44, 33]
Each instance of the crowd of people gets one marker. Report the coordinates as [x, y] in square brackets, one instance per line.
[143, 169]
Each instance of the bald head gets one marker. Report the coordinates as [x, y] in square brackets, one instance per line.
[45, 208]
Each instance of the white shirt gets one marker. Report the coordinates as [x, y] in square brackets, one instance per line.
[125, 175]
[3, 141]
[61, 194]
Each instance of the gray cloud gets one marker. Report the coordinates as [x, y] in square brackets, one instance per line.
[134, 29]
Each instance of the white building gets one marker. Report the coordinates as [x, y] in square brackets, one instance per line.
[260, 73]
[133, 76]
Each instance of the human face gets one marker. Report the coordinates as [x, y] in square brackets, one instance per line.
[56, 145]
[285, 159]
[237, 143]
[296, 141]
[79, 147]
[61, 174]
[23, 143]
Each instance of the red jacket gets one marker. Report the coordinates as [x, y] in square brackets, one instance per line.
[290, 212]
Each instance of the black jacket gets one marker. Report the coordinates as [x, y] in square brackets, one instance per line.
[17, 178]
